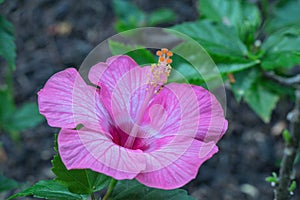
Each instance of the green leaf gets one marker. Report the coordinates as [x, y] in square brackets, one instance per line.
[282, 49]
[49, 189]
[160, 16]
[280, 59]
[297, 159]
[183, 71]
[7, 184]
[27, 116]
[7, 106]
[192, 76]
[79, 181]
[251, 20]
[226, 11]
[118, 48]
[1, 1]
[129, 16]
[278, 88]
[125, 9]
[218, 39]
[138, 53]
[132, 190]
[191, 64]
[284, 16]
[245, 17]
[235, 67]
[284, 40]
[7, 45]
[186, 71]
[261, 100]
[286, 136]
[243, 82]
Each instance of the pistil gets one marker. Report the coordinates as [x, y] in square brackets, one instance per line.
[158, 76]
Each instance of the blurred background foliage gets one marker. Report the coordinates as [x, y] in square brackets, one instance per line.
[129, 16]
[12, 118]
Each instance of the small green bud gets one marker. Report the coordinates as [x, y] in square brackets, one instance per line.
[286, 136]
[271, 179]
[293, 186]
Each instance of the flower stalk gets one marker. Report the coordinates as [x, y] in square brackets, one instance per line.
[111, 187]
[283, 185]
[290, 151]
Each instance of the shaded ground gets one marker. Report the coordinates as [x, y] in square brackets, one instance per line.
[248, 152]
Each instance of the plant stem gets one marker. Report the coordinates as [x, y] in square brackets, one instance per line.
[290, 151]
[92, 196]
[285, 175]
[111, 187]
[290, 81]
[9, 80]
[265, 7]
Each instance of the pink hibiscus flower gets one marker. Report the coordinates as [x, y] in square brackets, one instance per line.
[134, 126]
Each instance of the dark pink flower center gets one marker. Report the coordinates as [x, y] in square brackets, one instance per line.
[120, 138]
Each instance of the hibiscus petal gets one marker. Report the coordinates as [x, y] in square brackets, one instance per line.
[96, 71]
[66, 101]
[82, 149]
[176, 152]
[130, 98]
[186, 110]
[180, 111]
[176, 164]
[108, 75]
[213, 124]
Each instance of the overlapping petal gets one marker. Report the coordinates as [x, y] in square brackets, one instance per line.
[176, 151]
[212, 121]
[81, 149]
[66, 101]
[180, 107]
[106, 75]
[124, 88]
[188, 110]
[97, 76]
[179, 171]
[130, 98]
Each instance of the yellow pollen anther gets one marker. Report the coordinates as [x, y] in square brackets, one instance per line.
[164, 56]
[164, 50]
[159, 53]
[160, 72]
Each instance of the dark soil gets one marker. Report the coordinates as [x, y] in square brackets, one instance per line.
[249, 152]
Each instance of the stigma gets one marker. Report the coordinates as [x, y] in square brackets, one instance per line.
[160, 71]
